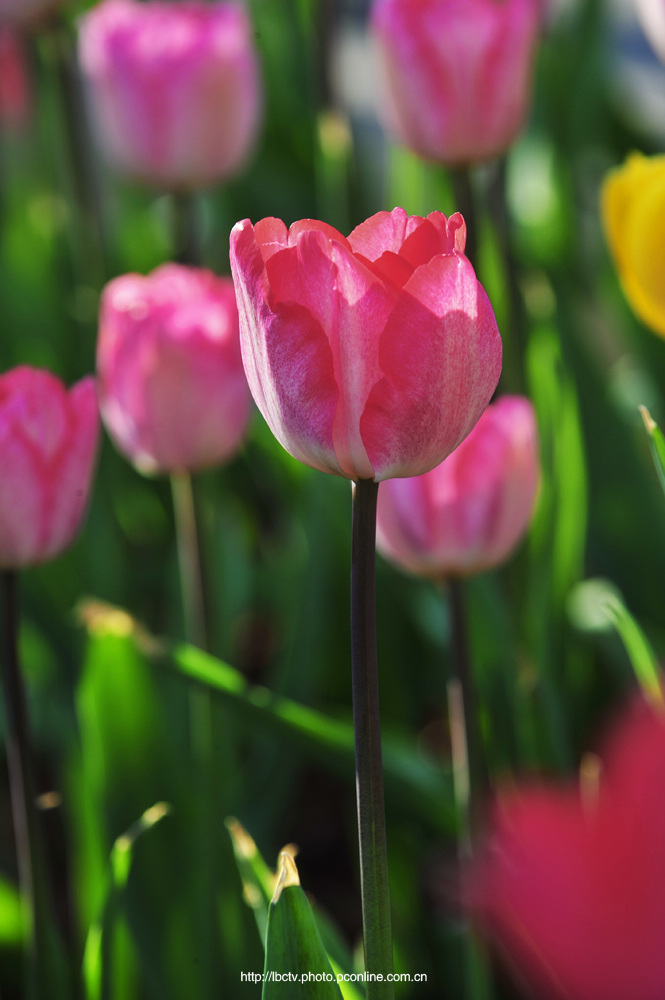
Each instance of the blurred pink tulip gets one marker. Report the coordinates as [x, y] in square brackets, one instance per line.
[571, 884]
[48, 443]
[173, 393]
[173, 88]
[652, 17]
[457, 73]
[372, 356]
[15, 85]
[25, 12]
[468, 513]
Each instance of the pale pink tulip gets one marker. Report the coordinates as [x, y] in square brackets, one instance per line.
[652, 17]
[468, 513]
[173, 392]
[372, 356]
[25, 12]
[173, 88]
[457, 73]
[48, 443]
[571, 883]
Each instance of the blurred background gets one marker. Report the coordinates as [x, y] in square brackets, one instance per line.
[110, 706]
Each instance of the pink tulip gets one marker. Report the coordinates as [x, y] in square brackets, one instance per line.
[48, 442]
[371, 356]
[173, 87]
[173, 393]
[468, 513]
[15, 84]
[458, 73]
[24, 12]
[571, 885]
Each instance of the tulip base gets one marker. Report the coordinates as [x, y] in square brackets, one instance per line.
[377, 931]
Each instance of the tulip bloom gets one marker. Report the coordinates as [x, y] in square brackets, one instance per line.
[48, 443]
[173, 393]
[633, 209]
[173, 87]
[572, 883]
[468, 513]
[372, 356]
[458, 73]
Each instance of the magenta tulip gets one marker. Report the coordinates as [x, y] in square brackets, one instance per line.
[173, 392]
[571, 884]
[173, 88]
[48, 443]
[468, 513]
[372, 356]
[458, 73]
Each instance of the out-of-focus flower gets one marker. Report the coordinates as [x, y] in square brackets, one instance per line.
[25, 12]
[173, 88]
[48, 443]
[457, 73]
[633, 210]
[173, 392]
[15, 87]
[652, 18]
[571, 885]
[372, 356]
[468, 513]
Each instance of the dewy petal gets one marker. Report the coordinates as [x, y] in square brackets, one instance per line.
[440, 354]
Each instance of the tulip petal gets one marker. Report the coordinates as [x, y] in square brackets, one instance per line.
[440, 353]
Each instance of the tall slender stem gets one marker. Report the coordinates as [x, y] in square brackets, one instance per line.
[31, 863]
[464, 715]
[377, 930]
[191, 576]
[185, 229]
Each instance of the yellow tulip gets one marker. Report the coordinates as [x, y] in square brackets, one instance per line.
[633, 210]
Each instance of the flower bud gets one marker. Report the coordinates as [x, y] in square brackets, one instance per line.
[173, 392]
[48, 443]
[173, 88]
[457, 73]
[468, 513]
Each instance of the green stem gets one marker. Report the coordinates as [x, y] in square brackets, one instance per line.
[466, 204]
[201, 727]
[31, 862]
[469, 778]
[377, 932]
[469, 767]
[185, 229]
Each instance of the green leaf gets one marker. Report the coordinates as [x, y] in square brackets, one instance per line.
[296, 961]
[638, 647]
[96, 956]
[12, 916]
[657, 442]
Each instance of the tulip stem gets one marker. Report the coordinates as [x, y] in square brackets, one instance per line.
[377, 932]
[468, 769]
[187, 247]
[31, 862]
[465, 203]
